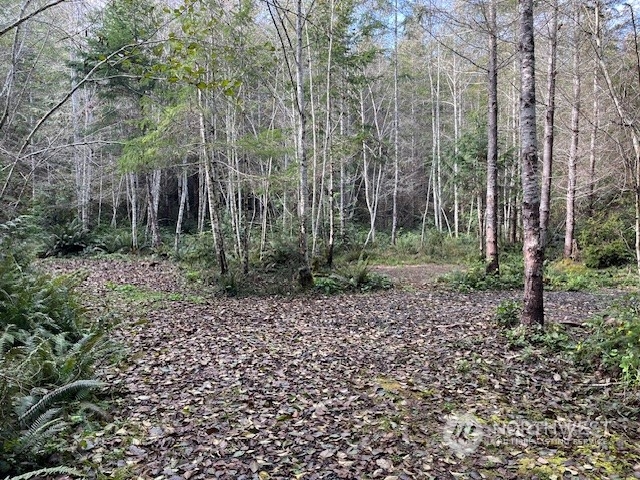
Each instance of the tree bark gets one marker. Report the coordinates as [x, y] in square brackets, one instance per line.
[533, 310]
[491, 225]
[304, 274]
[573, 150]
[396, 120]
[549, 134]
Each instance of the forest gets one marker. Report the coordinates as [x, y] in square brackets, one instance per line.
[394, 239]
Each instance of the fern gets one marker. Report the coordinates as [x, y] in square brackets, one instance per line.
[7, 339]
[47, 472]
[60, 393]
[42, 429]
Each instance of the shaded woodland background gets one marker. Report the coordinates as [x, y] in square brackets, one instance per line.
[144, 121]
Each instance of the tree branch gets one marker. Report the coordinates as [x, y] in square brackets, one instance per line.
[21, 20]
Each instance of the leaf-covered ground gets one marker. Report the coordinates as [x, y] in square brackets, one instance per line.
[414, 383]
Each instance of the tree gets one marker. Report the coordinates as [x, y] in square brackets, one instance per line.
[549, 125]
[533, 311]
[570, 219]
[493, 265]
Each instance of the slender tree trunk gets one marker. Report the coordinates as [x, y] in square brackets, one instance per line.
[327, 152]
[573, 150]
[153, 190]
[211, 179]
[491, 226]
[183, 188]
[396, 118]
[133, 186]
[595, 122]
[533, 311]
[342, 181]
[636, 142]
[305, 276]
[549, 134]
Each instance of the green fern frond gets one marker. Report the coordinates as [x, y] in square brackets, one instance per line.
[95, 409]
[58, 394]
[43, 420]
[47, 472]
[7, 339]
[45, 428]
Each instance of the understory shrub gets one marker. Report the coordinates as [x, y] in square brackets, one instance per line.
[48, 351]
[198, 250]
[613, 344]
[67, 238]
[569, 275]
[605, 241]
[508, 314]
[476, 278]
[113, 241]
[412, 247]
[552, 337]
[352, 278]
[281, 253]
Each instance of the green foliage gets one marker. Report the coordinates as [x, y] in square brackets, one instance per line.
[614, 341]
[569, 275]
[352, 278]
[410, 247]
[47, 472]
[605, 241]
[552, 337]
[48, 350]
[118, 53]
[476, 278]
[508, 314]
[15, 241]
[67, 239]
[230, 283]
[198, 250]
[281, 253]
[113, 241]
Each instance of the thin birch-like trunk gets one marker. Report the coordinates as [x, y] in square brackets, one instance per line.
[183, 187]
[133, 199]
[210, 182]
[491, 213]
[549, 134]
[396, 127]
[305, 276]
[573, 149]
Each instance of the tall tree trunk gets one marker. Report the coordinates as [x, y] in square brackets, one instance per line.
[183, 189]
[533, 311]
[636, 143]
[549, 134]
[575, 134]
[491, 225]
[593, 145]
[305, 277]
[211, 180]
[133, 199]
[153, 191]
[396, 118]
[327, 152]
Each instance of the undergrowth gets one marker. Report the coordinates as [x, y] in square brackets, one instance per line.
[352, 278]
[561, 275]
[613, 343]
[49, 348]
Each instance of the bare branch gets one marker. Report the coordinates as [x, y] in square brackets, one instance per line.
[22, 19]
